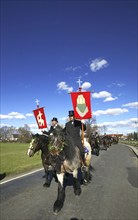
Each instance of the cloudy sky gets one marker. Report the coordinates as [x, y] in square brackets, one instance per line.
[46, 46]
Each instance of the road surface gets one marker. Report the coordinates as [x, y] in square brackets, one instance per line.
[111, 195]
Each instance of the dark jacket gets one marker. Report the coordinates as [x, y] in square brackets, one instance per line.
[52, 128]
[72, 129]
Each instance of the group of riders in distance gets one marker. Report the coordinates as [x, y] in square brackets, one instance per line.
[65, 154]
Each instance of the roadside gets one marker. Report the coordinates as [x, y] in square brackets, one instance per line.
[134, 149]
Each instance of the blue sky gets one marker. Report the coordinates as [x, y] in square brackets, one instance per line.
[46, 46]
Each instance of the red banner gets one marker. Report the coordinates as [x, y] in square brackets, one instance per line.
[81, 104]
[40, 118]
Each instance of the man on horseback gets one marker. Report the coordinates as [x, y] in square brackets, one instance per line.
[72, 129]
[95, 143]
[54, 126]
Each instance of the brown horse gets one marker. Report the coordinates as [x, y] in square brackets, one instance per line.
[40, 143]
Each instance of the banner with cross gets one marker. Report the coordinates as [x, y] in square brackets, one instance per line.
[40, 116]
[81, 105]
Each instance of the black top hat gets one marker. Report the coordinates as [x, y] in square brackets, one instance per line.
[54, 119]
[71, 113]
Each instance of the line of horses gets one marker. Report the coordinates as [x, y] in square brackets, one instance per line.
[60, 158]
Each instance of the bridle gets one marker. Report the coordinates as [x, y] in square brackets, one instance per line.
[31, 146]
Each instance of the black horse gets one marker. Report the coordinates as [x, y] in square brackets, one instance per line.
[60, 154]
[95, 145]
[106, 141]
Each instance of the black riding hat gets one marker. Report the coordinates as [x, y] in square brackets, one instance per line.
[71, 113]
[55, 119]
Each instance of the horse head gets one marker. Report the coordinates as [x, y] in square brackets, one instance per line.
[36, 144]
[56, 141]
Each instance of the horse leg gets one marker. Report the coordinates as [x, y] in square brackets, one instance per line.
[86, 175]
[61, 194]
[48, 177]
[76, 183]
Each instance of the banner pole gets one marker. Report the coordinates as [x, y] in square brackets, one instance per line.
[82, 134]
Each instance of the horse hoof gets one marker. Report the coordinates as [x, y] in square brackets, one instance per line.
[57, 206]
[46, 184]
[77, 192]
[85, 182]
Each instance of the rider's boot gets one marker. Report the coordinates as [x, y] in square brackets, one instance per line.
[83, 160]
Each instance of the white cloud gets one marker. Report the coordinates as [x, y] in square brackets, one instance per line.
[131, 105]
[86, 85]
[33, 126]
[5, 125]
[116, 84]
[64, 86]
[86, 74]
[29, 114]
[120, 84]
[104, 94]
[12, 115]
[71, 68]
[130, 124]
[115, 111]
[110, 98]
[98, 64]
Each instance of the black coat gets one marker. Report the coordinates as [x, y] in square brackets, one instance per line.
[72, 129]
[52, 128]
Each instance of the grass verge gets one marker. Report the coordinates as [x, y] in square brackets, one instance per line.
[14, 159]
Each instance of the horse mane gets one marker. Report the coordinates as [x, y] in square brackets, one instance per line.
[43, 139]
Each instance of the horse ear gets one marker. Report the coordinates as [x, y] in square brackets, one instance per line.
[33, 135]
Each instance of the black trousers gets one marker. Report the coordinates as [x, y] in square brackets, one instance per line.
[79, 144]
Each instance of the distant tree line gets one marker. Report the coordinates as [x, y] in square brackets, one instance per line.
[24, 135]
[12, 134]
[132, 136]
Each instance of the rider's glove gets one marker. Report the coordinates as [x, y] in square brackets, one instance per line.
[83, 121]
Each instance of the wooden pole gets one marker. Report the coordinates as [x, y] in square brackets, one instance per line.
[82, 134]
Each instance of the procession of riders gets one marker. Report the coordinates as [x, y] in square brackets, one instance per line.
[73, 128]
[66, 151]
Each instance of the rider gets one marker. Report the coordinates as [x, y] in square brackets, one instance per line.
[54, 126]
[97, 139]
[72, 129]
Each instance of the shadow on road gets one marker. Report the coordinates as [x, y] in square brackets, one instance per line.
[2, 176]
[76, 219]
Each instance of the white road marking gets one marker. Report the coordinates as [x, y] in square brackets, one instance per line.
[18, 177]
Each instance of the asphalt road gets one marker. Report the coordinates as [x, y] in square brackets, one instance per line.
[111, 195]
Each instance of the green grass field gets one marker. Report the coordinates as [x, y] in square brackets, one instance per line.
[14, 159]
